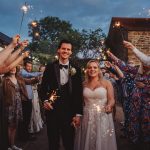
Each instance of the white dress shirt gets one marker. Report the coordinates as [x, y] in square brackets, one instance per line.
[64, 73]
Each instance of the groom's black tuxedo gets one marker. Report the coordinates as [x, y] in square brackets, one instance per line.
[65, 107]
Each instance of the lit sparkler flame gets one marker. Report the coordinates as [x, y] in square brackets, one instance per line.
[117, 24]
[53, 96]
[25, 8]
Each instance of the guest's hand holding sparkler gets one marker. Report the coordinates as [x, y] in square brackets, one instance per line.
[15, 40]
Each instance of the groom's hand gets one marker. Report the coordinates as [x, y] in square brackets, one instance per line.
[47, 105]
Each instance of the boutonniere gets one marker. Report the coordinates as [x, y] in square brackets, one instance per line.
[72, 71]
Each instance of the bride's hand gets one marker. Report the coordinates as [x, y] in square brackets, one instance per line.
[108, 109]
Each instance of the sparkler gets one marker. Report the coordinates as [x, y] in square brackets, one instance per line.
[118, 26]
[24, 9]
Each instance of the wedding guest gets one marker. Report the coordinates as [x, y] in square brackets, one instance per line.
[137, 122]
[97, 127]
[14, 93]
[7, 57]
[27, 73]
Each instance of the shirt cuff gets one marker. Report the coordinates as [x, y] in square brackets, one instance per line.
[45, 101]
[78, 115]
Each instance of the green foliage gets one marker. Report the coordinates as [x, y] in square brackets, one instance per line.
[51, 30]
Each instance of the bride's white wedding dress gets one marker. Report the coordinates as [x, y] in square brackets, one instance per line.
[97, 128]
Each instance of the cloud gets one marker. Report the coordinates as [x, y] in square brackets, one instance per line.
[87, 14]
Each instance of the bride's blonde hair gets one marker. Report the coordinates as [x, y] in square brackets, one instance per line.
[87, 77]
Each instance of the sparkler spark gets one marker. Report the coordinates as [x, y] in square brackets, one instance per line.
[24, 9]
[53, 96]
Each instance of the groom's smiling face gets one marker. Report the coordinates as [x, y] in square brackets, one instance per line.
[65, 51]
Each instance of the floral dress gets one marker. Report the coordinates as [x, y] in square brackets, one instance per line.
[137, 108]
[15, 110]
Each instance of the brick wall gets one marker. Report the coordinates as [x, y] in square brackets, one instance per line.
[141, 39]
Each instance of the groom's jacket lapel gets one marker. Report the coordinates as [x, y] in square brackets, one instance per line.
[70, 80]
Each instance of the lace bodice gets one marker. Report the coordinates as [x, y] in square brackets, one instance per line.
[96, 98]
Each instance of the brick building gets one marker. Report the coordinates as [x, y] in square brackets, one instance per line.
[135, 30]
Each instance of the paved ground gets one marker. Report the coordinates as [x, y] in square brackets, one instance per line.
[41, 142]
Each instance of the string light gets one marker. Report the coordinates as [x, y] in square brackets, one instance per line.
[117, 25]
[34, 24]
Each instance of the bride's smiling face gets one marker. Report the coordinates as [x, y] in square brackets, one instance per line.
[93, 69]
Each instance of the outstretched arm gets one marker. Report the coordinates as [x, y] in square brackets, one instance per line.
[6, 69]
[4, 54]
[123, 66]
[12, 57]
[112, 67]
[141, 56]
[26, 74]
[119, 72]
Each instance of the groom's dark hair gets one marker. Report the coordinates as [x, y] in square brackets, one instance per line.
[64, 41]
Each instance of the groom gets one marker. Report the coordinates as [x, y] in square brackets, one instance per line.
[64, 114]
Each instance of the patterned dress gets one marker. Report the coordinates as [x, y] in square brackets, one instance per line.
[15, 110]
[137, 106]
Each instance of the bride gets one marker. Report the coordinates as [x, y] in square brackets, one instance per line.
[97, 128]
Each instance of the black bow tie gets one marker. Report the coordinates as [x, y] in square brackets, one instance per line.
[63, 66]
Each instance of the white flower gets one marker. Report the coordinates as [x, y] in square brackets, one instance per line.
[72, 71]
